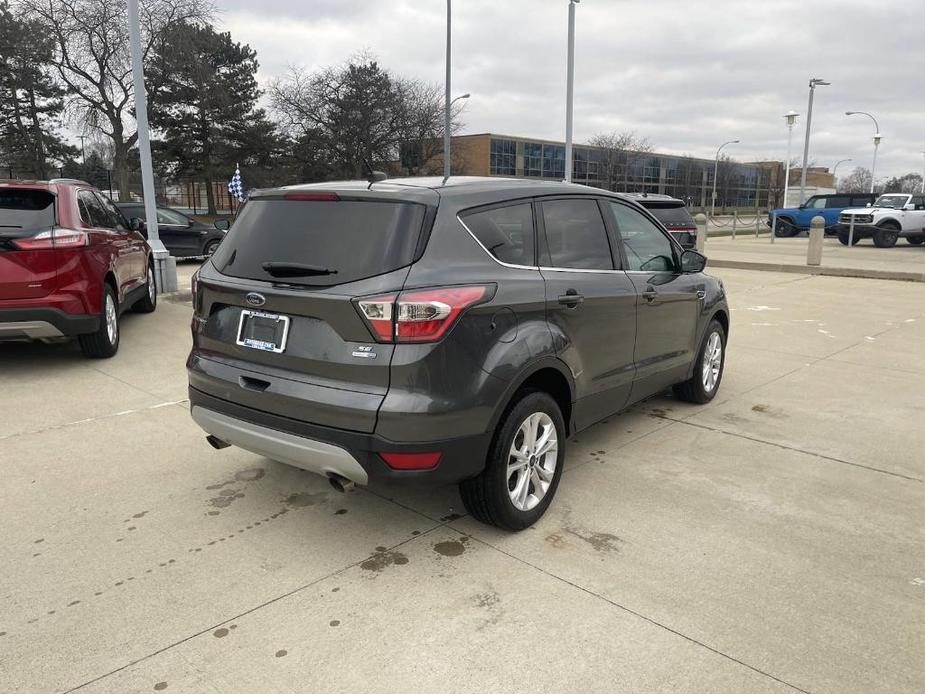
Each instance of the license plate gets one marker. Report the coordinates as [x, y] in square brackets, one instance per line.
[263, 331]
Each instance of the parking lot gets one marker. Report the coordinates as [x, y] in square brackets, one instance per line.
[770, 541]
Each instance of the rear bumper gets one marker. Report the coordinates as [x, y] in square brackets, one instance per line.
[326, 450]
[44, 323]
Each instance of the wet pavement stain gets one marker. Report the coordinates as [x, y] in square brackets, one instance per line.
[41, 539]
[450, 548]
[450, 517]
[659, 412]
[340, 512]
[334, 622]
[556, 540]
[601, 542]
[487, 600]
[305, 499]
[220, 633]
[415, 532]
[381, 560]
[733, 418]
[335, 589]
[225, 498]
[281, 653]
[770, 411]
[160, 686]
[380, 548]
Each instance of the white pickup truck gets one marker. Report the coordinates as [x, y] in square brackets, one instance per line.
[890, 216]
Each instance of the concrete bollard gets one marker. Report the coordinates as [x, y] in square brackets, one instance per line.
[816, 235]
[701, 220]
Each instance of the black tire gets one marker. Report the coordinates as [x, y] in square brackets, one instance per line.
[488, 496]
[915, 240]
[100, 345]
[210, 247]
[694, 389]
[843, 237]
[886, 236]
[786, 229]
[148, 302]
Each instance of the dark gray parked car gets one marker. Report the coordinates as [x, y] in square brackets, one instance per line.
[437, 332]
[182, 236]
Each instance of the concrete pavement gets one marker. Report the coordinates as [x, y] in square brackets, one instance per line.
[902, 262]
[770, 541]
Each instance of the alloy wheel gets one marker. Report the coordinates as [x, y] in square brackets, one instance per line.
[532, 461]
[712, 361]
[112, 320]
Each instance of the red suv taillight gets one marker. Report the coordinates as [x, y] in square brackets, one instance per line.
[54, 238]
[420, 315]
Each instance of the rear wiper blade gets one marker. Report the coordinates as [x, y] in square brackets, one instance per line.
[295, 270]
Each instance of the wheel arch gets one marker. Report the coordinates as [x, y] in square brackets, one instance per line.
[549, 375]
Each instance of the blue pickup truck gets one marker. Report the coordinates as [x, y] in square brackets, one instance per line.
[792, 220]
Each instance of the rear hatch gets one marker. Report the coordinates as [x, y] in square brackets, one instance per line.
[27, 258]
[279, 330]
[675, 217]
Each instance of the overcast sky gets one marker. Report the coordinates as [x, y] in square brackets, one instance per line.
[688, 75]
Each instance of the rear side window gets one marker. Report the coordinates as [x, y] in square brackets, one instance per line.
[675, 216]
[505, 232]
[838, 201]
[319, 243]
[860, 202]
[91, 211]
[575, 235]
[113, 215]
[25, 212]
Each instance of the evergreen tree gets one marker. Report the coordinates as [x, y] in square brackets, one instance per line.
[207, 111]
[30, 100]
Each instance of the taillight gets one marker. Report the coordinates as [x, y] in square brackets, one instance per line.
[421, 315]
[54, 238]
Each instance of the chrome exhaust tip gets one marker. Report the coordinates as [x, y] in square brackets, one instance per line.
[216, 442]
[341, 484]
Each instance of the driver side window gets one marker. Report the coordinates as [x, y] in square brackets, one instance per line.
[647, 247]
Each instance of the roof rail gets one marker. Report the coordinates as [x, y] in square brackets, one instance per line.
[67, 180]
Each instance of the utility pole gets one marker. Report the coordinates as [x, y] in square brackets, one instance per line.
[570, 89]
[715, 173]
[83, 152]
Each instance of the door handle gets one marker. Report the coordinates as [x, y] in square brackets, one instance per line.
[650, 294]
[571, 298]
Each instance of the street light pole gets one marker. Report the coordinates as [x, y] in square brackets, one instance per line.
[877, 138]
[923, 176]
[835, 170]
[715, 172]
[446, 116]
[164, 270]
[813, 83]
[791, 117]
[570, 90]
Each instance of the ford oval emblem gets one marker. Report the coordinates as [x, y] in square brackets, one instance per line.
[255, 299]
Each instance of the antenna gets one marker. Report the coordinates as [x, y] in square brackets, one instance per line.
[372, 175]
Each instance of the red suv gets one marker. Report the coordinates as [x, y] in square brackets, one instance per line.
[69, 265]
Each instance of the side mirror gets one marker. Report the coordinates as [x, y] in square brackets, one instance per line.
[137, 224]
[693, 262]
[802, 206]
[910, 207]
[867, 205]
[222, 224]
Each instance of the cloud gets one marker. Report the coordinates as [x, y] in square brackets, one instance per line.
[688, 75]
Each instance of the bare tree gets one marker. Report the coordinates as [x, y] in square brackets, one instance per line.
[858, 181]
[92, 60]
[908, 183]
[423, 127]
[620, 152]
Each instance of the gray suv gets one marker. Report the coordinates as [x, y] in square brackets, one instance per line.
[438, 331]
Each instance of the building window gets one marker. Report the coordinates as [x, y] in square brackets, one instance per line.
[533, 159]
[554, 161]
[503, 158]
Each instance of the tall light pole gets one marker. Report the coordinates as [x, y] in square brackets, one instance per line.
[447, 117]
[715, 172]
[877, 138]
[83, 151]
[168, 278]
[813, 83]
[791, 118]
[570, 89]
[835, 170]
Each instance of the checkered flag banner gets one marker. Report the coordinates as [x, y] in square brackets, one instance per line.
[234, 185]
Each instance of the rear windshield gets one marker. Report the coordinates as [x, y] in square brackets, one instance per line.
[676, 215]
[25, 212]
[331, 241]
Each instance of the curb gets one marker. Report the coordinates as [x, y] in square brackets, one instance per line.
[894, 275]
